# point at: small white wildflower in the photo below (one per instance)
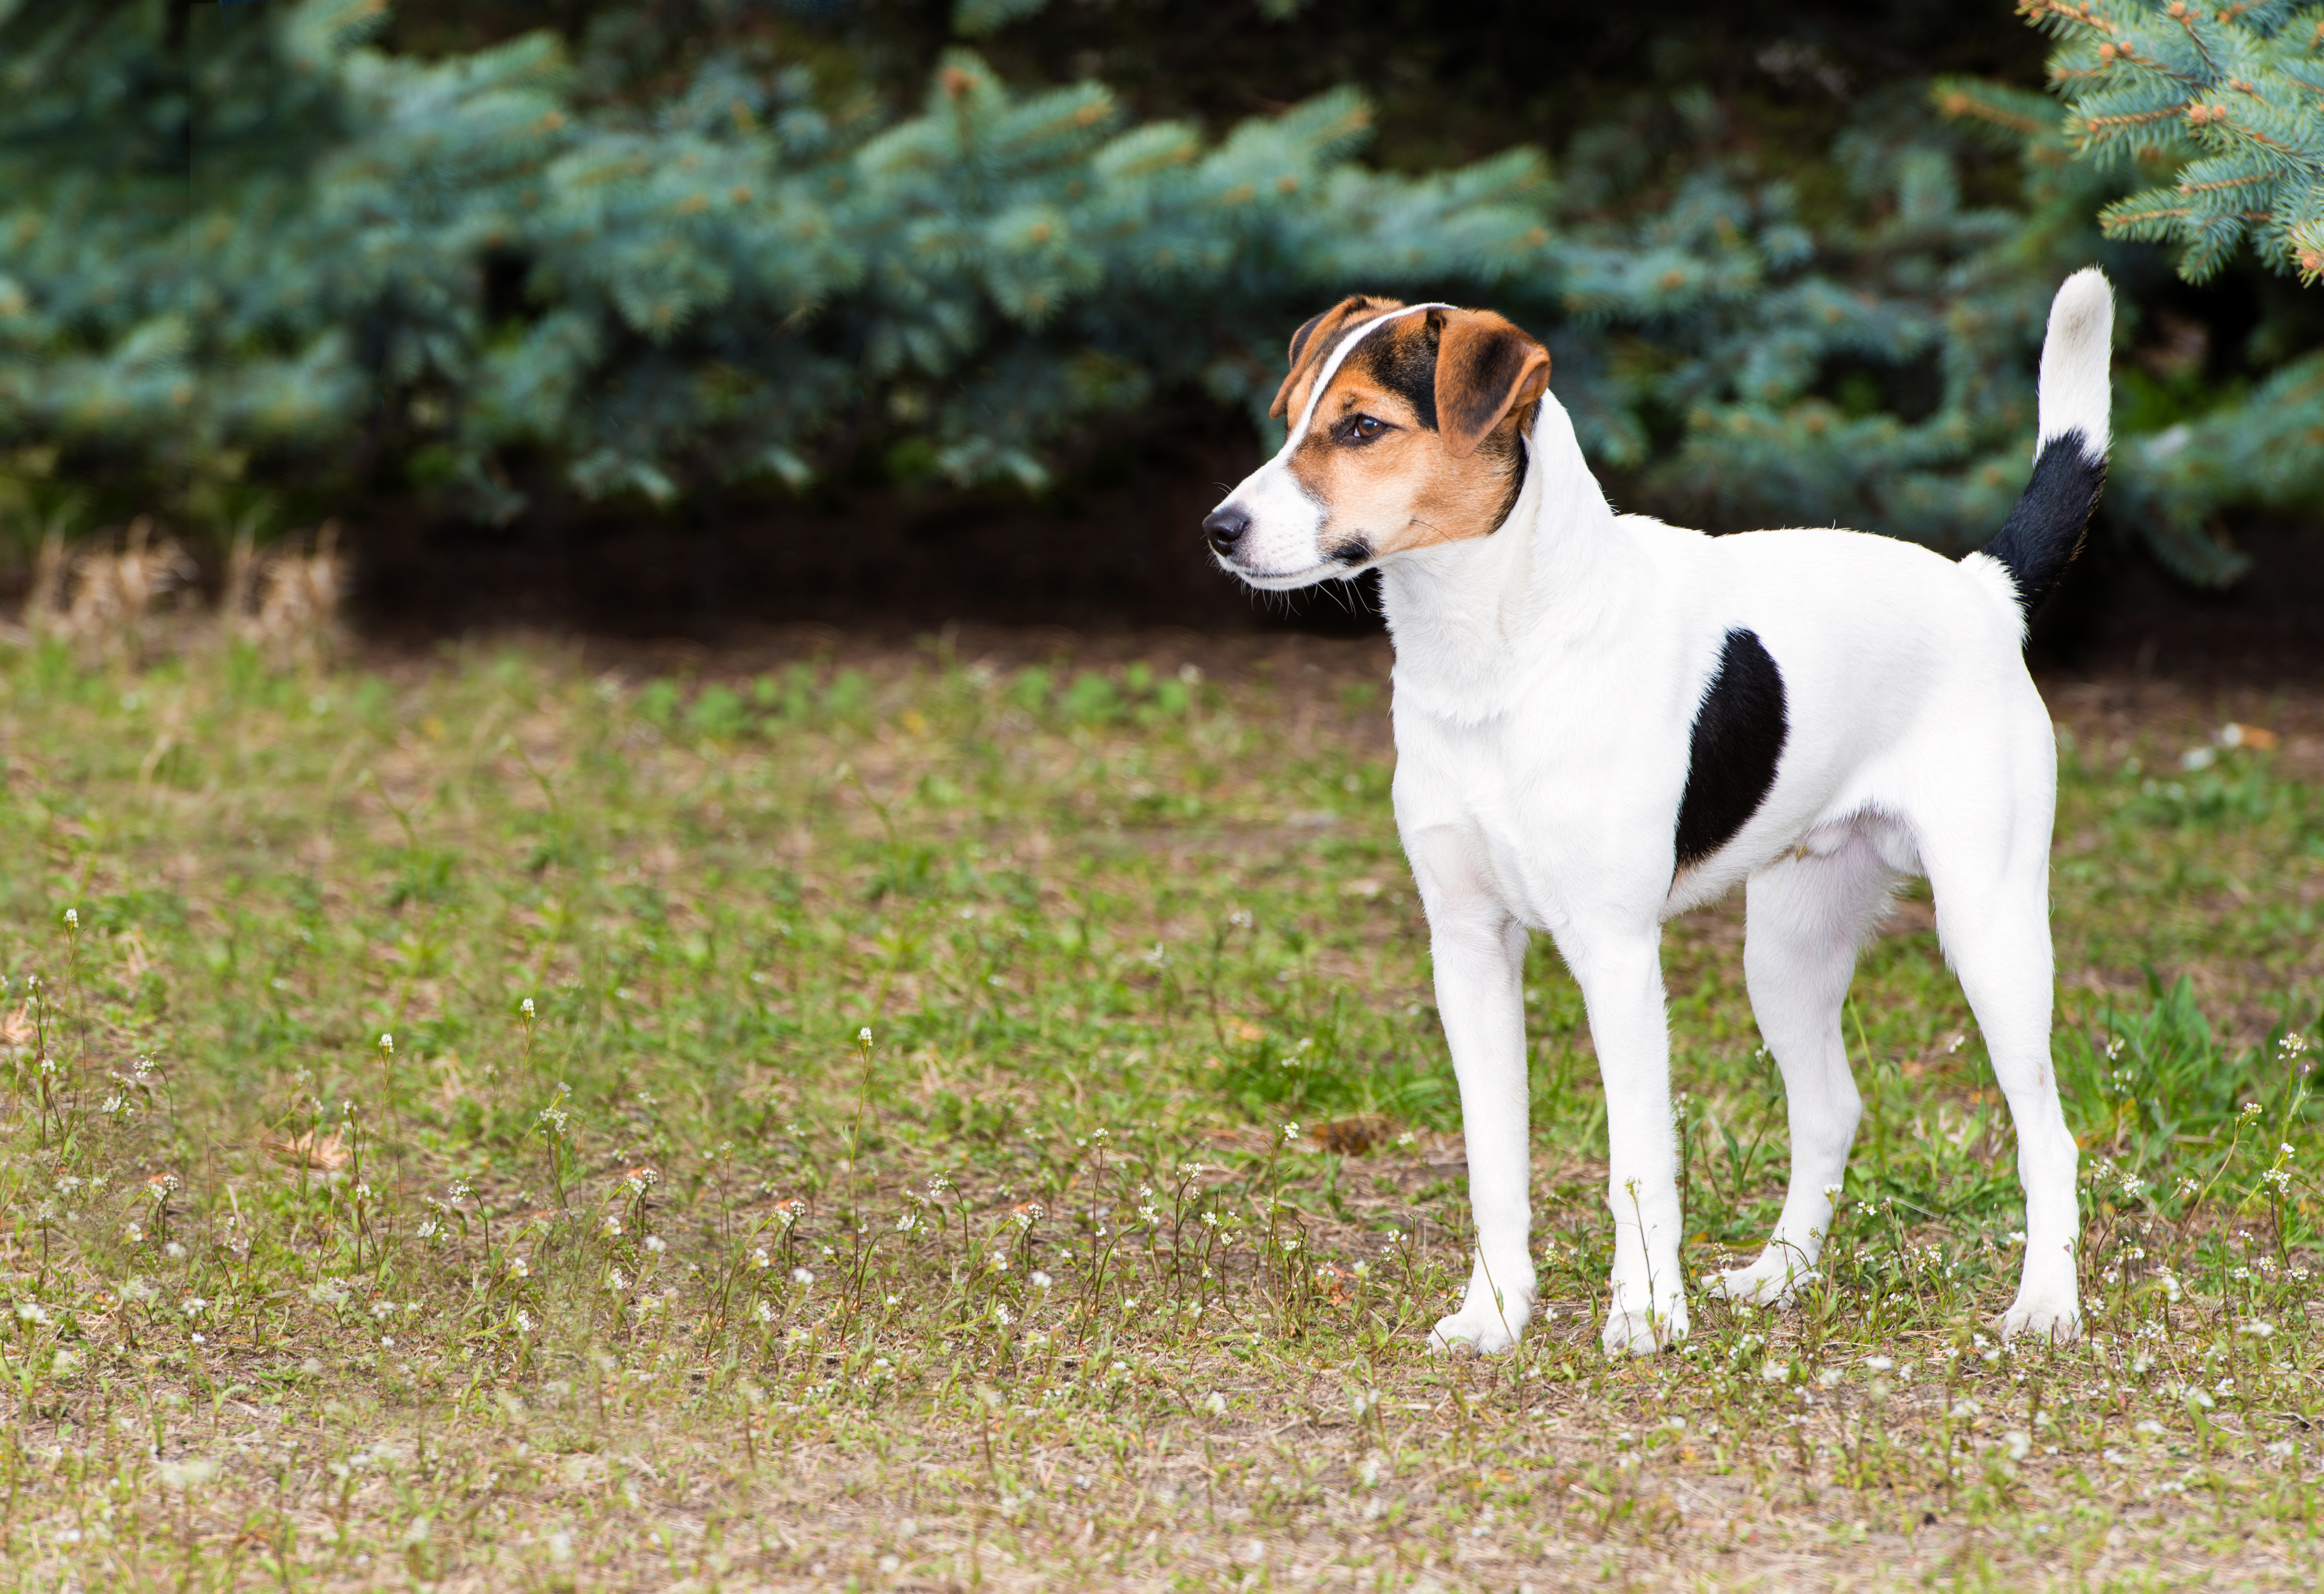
(654, 1244)
(1040, 1280)
(800, 1275)
(186, 1474)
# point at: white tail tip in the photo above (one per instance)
(2077, 356)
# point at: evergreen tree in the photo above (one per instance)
(2231, 94)
(2225, 98)
(445, 270)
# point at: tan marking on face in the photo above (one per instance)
(1313, 343)
(1412, 485)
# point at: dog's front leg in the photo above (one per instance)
(1478, 948)
(1621, 979)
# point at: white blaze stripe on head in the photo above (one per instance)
(1331, 368)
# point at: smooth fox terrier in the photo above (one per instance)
(1603, 721)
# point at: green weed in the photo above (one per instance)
(917, 1123)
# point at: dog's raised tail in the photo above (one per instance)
(2044, 532)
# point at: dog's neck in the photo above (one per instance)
(1465, 616)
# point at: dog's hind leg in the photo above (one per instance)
(1805, 919)
(1993, 918)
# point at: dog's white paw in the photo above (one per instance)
(2052, 1317)
(1644, 1332)
(1762, 1283)
(1478, 1330)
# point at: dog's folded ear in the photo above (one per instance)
(1314, 340)
(1486, 367)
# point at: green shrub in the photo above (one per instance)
(718, 713)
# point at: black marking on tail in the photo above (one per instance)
(2044, 532)
(1739, 733)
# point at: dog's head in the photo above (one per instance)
(1406, 427)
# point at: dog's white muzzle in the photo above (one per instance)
(1269, 531)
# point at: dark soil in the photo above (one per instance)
(1117, 547)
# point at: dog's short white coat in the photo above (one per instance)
(1547, 680)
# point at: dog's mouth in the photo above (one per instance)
(1345, 559)
(1283, 580)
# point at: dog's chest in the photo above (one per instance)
(1544, 804)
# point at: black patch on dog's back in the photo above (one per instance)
(2044, 530)
(1739, 732)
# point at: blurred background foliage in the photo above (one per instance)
(262, 263)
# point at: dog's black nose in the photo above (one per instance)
(1225, 527)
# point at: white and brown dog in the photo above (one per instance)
(1603, 721)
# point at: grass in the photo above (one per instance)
(929, 1123)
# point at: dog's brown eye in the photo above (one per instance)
(1363, 429)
